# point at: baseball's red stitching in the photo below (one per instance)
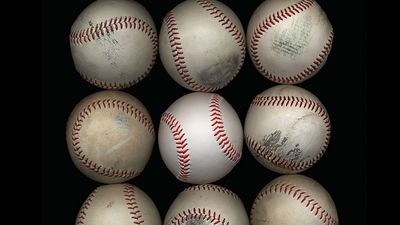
(217, 125)
(111, 104)
(80, 219)
(198, 213)
(297, 193)
(289, 101)
(177, 53)
(132, 204)
(106, 27)
(110, 26)
(229, 26)
(271, 21)
(211, 187)
(115, 85)
(181, 144)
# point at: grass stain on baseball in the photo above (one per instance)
(198, 221)
(277, 145)
(291, 41)
(220, 72)
(110, 204)
(271, 141)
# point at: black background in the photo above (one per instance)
(340, 85)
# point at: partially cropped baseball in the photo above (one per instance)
(287, 129)
(206, 204)
(113, 43)
(110, 136)
(293, 199)
(202, 45)
(118, 204)
(200, 138)
(289, 40)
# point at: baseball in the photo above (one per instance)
(118, 204)
(110, 136)
(287, 129)
(289, 40)
(113, 43)
(206, 204)
(293, 199)
(200, 138)
(202, 45)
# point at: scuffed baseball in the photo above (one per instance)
(113, 43)
(202, 45)
(289, 40)
(200, 138)
(293, 199)
(110, 136)
(118, 204)
(206, 204)
(287, 129)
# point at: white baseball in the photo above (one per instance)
(289, 40)
(293, 199)
(206, 204)
(200, 138)
(110, 136)
(287, 129)
(113, 43)
(118, 204)
(202, 45)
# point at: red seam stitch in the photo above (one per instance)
(115, 85)
(106, 103)
(177, 53)
(97, 31)
(80, 219)
(199, 213)
(211, 187)
(181, 145)
(271, 21)
(217, 125)
(282, 188)
(132, 204)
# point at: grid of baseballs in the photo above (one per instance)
(202, 45)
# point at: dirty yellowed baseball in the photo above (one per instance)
(110, 136)
(293, 199)
(118, 204)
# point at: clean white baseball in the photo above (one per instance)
(293, 199)
(202, 45)
(118, 204)
(113, 43)
(289, 40)
(206, 204)
(200, 138)
(287, 129)
(110, 136)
